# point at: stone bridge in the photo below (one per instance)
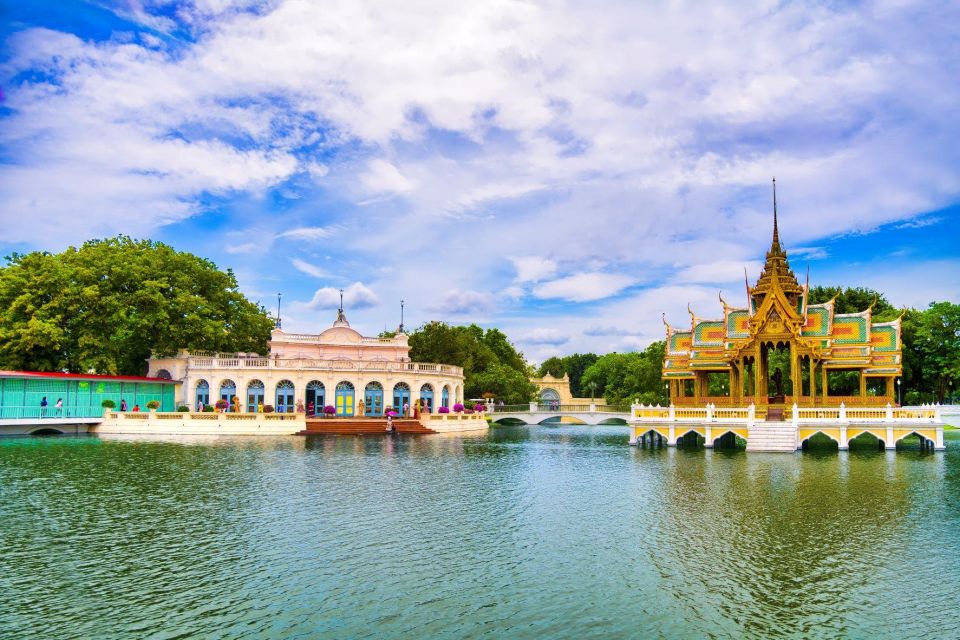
(535, 413)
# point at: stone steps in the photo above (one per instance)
(777, 436)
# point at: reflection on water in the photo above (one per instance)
(527, 532)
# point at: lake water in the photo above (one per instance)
(538, 532)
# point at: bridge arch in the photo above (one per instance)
(728, 438)
(692, 437)
(558, 419)
(866, 438)
(806, 440)
(614, 421)
(47, 431)
(925, 441)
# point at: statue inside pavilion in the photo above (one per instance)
(779, 350)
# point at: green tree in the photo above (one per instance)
(491, 364)
(108, 305)
(854, 300)
(622, 378)
(573, 365)
(938, 345)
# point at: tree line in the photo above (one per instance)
(107, 305)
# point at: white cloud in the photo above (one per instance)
(545, 336)
(533, 268)
(608, 331)
(462, 302)
(719, 272)
(383, 177)
(306, 233)
(356, 296)
(310, 269)
(583, 287)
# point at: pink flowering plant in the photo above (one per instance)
(443, 410)
(458, 408)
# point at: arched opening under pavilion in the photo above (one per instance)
(549, 398)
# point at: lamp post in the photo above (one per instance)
(899, 397)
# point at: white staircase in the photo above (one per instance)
(772, 436)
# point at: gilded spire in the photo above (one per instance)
(776, 233)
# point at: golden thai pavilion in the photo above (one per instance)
(780, 350)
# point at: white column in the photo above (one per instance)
(843, 412)
(889, 415)
(634, 431)
(843, 438)
(672, 437)
(890, 444)
(533, 406)
(938, 443)
(673, 413)
(708, 444)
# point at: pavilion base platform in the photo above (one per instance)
(887, 424)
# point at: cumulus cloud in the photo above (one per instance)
(583, 287)
(356, 296)
(533, 268)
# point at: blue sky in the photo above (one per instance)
(565, 171)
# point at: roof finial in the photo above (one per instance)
(776, 234)
(400, 328)
(341, 301)
(279, 323)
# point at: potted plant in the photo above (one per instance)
(183, 409)
(268, 408)
(458, 408)
(108, 405)
(153, 405)
(443, 410)
(222, 405)
(329, 411)
(479, 407)
(208, 408)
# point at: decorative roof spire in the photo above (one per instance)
(341, 316)
(279, 324)
(776, 233)
(400, 328)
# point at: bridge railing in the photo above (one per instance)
(34, 412)
(796, 415)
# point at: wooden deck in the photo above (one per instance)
(361, 426)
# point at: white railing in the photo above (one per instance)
(796, 415)
(337, 364)
(205, 416)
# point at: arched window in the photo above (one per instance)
(163, 374)
(228, 391)
(202, 398)
(316, 397)
(426, 398)
(401, 398)
(285, 391)
(344, 399)
(445, 397)
(373, 399)
(255, 392)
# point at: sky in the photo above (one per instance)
(565, 171)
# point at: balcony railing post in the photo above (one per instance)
(889, 413)
(673, 413)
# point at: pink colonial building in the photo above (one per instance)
(339, 367)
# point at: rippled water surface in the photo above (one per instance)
(526, 533)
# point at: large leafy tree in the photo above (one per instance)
(108, 305)
(622, 378)
(491, 364)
